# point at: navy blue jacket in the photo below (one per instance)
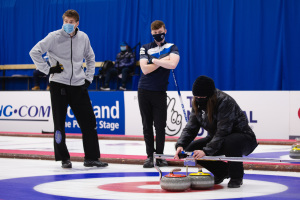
(157, 80)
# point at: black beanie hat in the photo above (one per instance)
(203, 86)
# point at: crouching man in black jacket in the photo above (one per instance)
(228, 132)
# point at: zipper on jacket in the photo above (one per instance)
(159, 50)
(71, 62)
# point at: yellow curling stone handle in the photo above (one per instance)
(199, 174)
(296, 148)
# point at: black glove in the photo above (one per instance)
(86, 84)
(57, 69)
(182, 155)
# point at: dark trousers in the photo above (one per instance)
(153, 109)
(78, 99)
(37, 77)
(115, 71)
(234, 145)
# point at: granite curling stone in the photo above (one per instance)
(175, 182)
(200, 180)
(295, 151)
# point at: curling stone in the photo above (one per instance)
(295, 151)
(175, 182)
(201, 180)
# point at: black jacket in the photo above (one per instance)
(228, 118)
(125, 59)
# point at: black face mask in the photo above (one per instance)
(202, 103)
(159, 37)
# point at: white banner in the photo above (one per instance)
(271, 114)
(175, 118)
(294, 114)
(267, 112)
(28, 111)
(133, 122)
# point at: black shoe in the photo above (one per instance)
(148, 163)
(66, 164)
(161, 162)
(94, 163)
(220, 179)
(235, 182)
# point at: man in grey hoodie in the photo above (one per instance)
(66, 49)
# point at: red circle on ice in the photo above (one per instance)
(134, 187)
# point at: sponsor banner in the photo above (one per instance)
(267, 113)
(133, 122)
(294, 114)
(28, 111)
(175, 117)
(109, 111)
(271, 114)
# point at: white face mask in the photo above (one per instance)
(123, 48)
(68, 28)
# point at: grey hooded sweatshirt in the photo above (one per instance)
(68, 51)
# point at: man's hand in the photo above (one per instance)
(57, 69)
(86, 84)
(150, 60)
(198, 154)
(178, 150)
(168, 62)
